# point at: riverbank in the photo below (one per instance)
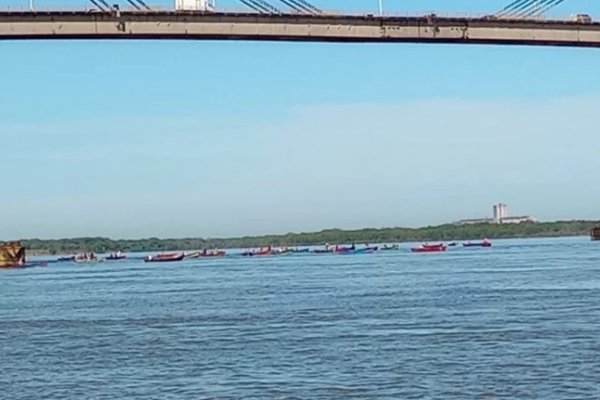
(448, 232)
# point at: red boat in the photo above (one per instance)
(484, 243)
(429, 248)
(262, 252)
(165, 257)
(342, 249)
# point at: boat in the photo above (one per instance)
(66, 259)
(483, 243)
(116, 257)
(385, 247)
(206, 253)
(366, 249)
(212, 253)
(296, 251)
(344, 250)
(429, 248)
(165, 257)
(262, 252)
(595, 233)
(12, 255)
(88, 261)
(282, 251)
(87, 258)
(452, 244)
(427, 245)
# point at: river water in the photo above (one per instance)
(518, 321)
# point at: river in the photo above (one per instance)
(518, 321)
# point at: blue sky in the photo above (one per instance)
(172, 139)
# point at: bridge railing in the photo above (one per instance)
(332, 12)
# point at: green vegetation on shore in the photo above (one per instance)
(448, 232)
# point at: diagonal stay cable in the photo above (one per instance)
(134, 5)
(100, 7)
(105, 4)
(293, 6)
(264, 5)
(550, 4)
(532, 8)
(146, 6)
(527, 8)
(515, 11)
(512, 6)
(252, 5)
(301, 6)
(305, 4)
(538, 9)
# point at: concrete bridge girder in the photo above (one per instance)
(305, 28)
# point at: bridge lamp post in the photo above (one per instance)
(380, 7)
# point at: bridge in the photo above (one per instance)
(519, 23)
(293, 27)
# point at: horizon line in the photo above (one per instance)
(455, 223)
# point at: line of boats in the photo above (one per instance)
(267, 251)
(441, 247)
(272, 251)
(92, 258)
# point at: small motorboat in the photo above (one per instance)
(429, 248)
(87, 258)
(296, 251)
(385, 247)
(452, 244)
(344, 250)
(484, 243)
(165, 257)
(116, 257)
(427, 245)
(282, 251)
(212, 253)
(206, 253)
(262, 252)
(194, 254)
(366, 250)
(66, 259)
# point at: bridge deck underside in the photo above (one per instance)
(172, 25)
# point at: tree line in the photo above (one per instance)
(447, 232)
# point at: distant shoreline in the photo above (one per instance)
(447, 232)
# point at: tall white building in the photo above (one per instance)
(500, 212)
(499, 216)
